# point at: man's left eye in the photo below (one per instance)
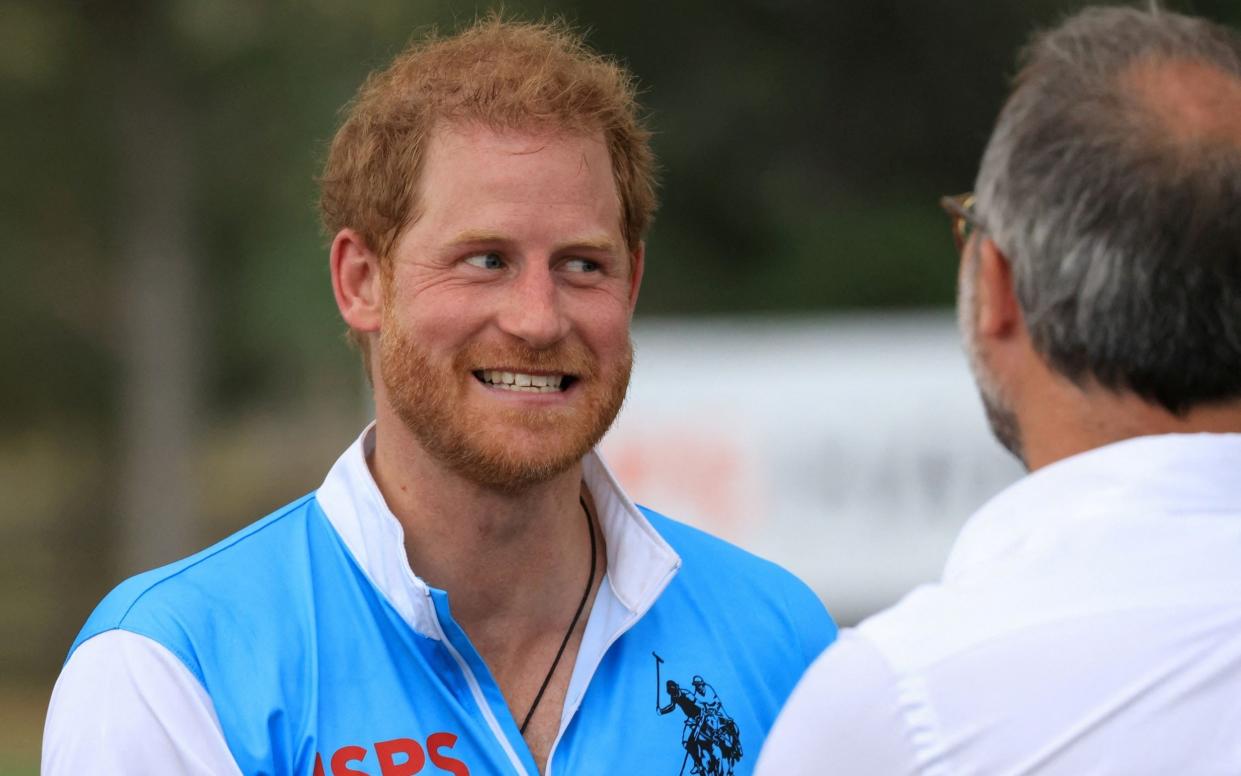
(581, 265)
(485, 261)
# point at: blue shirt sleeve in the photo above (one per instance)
(815, 627)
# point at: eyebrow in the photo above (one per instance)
(601, 244)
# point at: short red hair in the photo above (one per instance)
(502, 74)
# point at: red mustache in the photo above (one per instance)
(562, 358)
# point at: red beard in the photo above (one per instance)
(501, 448)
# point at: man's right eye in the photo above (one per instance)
(486, 261)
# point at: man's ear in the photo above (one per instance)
(637, 265)
(356, 281)
(997, 309)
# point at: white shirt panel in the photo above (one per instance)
(1088, 622)
(126, 705)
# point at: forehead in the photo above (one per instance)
(474, 172)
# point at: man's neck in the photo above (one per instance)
(506, 558)
(1063, 420)
(515, 566)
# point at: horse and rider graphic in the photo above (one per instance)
(710, 737)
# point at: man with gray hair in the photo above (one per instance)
(1089, 618)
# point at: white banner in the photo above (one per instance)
(849, 449)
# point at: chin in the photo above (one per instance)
(1004, 425)
(511, 471)
(514, 453)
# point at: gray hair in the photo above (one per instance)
(1125, 245)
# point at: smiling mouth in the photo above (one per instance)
(526, 383)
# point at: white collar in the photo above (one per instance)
(640, 562)
(1168, 474)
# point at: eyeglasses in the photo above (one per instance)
(960, 210)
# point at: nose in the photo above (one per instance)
(533, 310)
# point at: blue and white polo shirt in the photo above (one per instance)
(305, 644)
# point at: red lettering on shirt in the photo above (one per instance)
(346, 755)
(438, 741)
(414, 757)
(387, 751)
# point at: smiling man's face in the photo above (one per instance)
(504, 346)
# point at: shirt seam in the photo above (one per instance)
(175, 651)
(226, 545)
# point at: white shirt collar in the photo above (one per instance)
(640, 562)
(1167, 474)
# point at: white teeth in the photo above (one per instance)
(517, 381)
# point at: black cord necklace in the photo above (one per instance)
(590, 582)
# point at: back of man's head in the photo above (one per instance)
(1112, 183)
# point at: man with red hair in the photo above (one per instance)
(488, 194)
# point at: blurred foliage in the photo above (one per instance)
(803, 144)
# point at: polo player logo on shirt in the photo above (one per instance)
(709, 736)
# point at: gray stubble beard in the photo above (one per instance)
(999, 412)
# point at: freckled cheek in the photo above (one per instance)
(605, 330)
(442, 327)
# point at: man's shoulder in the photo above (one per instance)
(702, 552)
(712, 566)
(937, 622)
(929, 624)
(229, 574)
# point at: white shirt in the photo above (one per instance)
(124, 704)
(1088, 622)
